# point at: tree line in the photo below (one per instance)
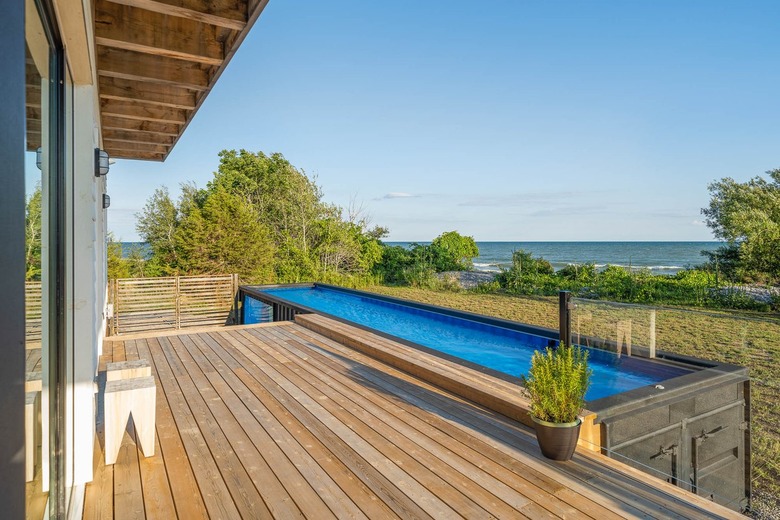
(265, 219)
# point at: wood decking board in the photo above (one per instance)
(302, 445)
(445, 482)
(498, 428)
(466, 458)
(314, 493)
(349, 447)
(463, 459)
(185, 494)
(279, 421)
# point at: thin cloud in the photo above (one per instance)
(520, 199)
(397, 195)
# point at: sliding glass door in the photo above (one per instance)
(48, 145)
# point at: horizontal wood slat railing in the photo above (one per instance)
(145, 304)
(32, 312)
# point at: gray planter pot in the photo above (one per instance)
(557, 440)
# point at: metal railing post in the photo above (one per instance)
(564, 315)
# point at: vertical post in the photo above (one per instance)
(652, 334)
(178, 304)
(236, 319)
(564, 316)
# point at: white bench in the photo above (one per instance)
(32, 432)
(125, 397)
(127, 369)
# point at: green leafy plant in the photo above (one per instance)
(557, 382)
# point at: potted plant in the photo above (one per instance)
(556, 383)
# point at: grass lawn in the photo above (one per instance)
(746, 339)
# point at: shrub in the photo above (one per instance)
(557, 383)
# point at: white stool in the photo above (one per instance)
(123, 398)
(127, 369)
(32, 433)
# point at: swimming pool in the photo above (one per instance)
(498, 348)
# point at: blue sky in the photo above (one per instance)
(504, 120)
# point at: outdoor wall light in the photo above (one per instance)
(39, 157)
(101, 162)
(106, 201)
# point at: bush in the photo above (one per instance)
(557, 383)
(452, 251)
(421, 276)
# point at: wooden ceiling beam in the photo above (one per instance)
(137, 125)
(134, 29)
(146, 92)
(223, 13)
(141, 156)
(142, 111)
(137, 137)
(126, 146)
(117, 63)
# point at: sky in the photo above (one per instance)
(504, 119)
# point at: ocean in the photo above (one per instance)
(658, 257)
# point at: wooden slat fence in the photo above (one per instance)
(144, 304)
(32, 313)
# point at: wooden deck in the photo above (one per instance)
(278, 421)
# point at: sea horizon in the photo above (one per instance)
(657, 256)
(660, 257)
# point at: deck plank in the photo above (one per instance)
(280, 421)
(300, 443)
(219, 397)
(128, 494)
(246, 498)
(313, 494)
(346, 446)
(414, 459)
(184, 491)
(213, 490)
(512, 487)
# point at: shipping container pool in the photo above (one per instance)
(651, 411)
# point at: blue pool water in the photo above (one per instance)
(502, 349)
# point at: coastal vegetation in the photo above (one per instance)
(262, 218)
(747, 216)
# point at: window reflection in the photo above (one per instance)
(37, 158)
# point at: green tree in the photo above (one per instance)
(261, 217)
(224, 235)
(32, 235)
(452, 251)
(747, 216)
(118, 267)
(157, 224)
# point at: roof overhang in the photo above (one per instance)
(157, 60)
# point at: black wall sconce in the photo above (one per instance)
(106, 201)
(101, 162)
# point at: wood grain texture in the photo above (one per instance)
(278, 420)
(134, 29)
(147, 92)
(137, 66)
(224, 13)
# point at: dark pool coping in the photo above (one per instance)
(704, 374)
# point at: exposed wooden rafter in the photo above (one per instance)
(138, 125)
(134, 29)
(166, 95)
(116, 63)
(230, 14)
(156, 62)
